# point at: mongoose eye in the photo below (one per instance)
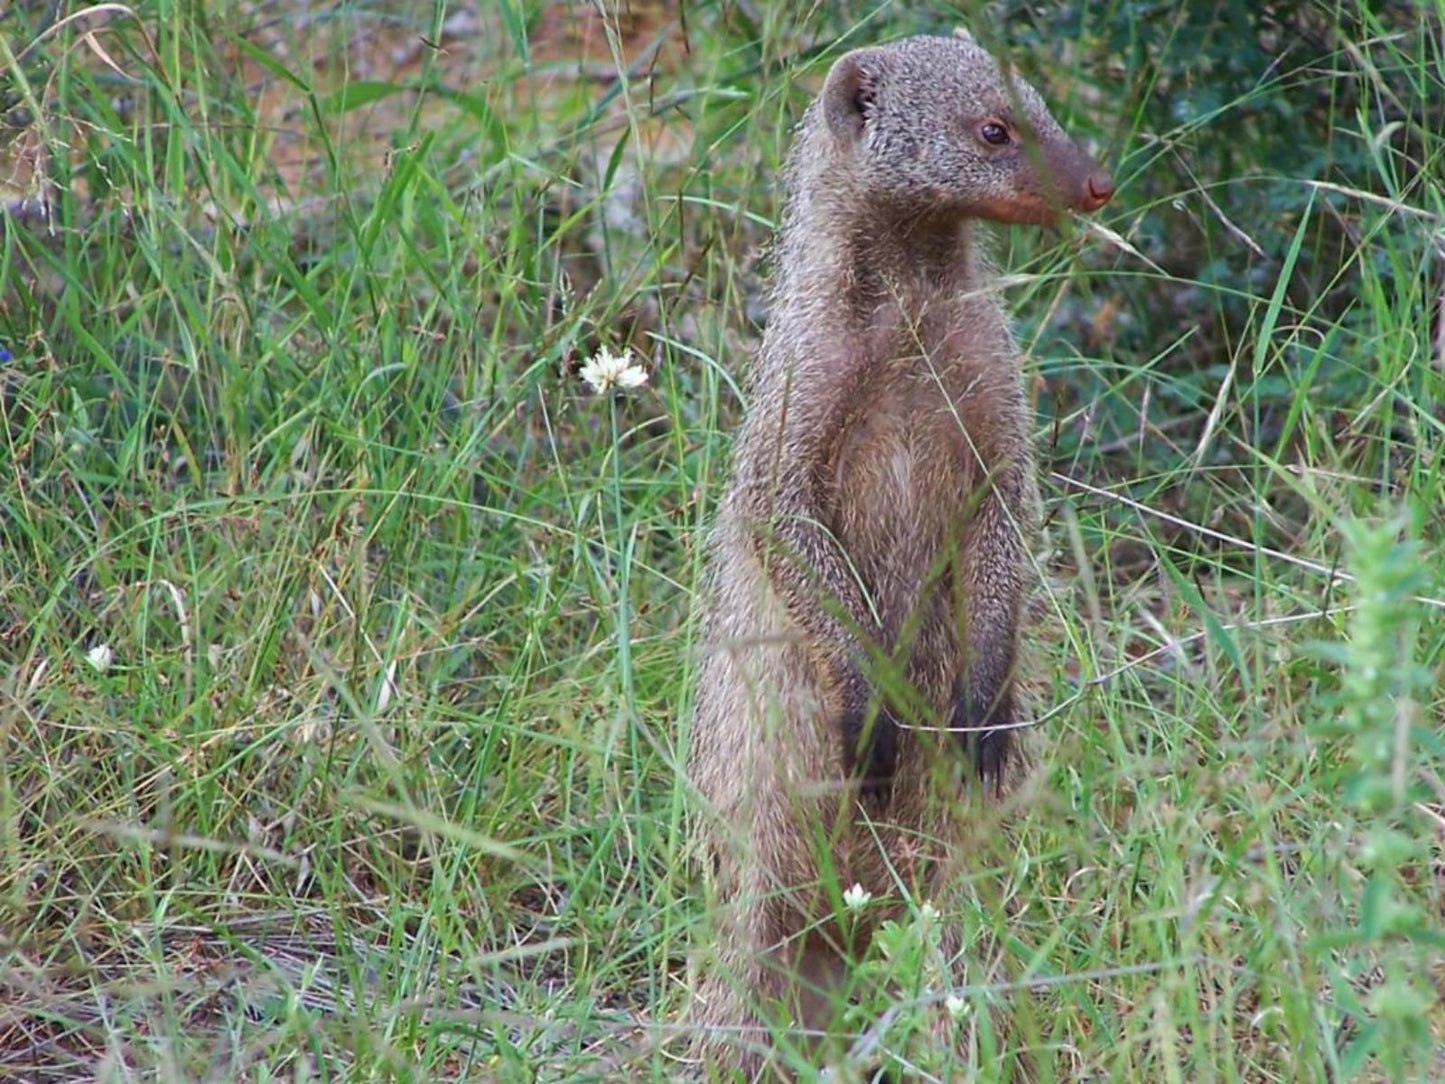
(994, 133)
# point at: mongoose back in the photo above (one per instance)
(871, 556)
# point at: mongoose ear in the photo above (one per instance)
(962, 34)
(850, 94)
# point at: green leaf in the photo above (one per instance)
(355, 95)
(1374, 907)
(1281, 288)
(269, 62)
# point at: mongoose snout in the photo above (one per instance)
(1085, 184)
(1057, 175)
(1098, 190)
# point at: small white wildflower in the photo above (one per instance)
(100, 656)
(929, 913)
(605, 370)
(856, 897)
(955, 1005)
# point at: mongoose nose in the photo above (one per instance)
(1099, 188)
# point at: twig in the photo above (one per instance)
(1175, 645)
(1300, 562)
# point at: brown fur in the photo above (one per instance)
(871, 556)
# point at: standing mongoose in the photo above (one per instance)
(869, 565)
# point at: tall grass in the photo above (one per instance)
(344, 640)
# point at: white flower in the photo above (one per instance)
(955, 1005)
(605, 370)
(929, 913)
(856, 897)
(100, 656)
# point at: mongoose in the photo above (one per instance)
(877, 523)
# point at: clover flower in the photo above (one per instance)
(605, 370)
(856, 897)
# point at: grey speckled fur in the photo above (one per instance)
(875, 537)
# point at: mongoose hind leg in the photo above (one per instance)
(776, 987)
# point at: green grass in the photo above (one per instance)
(382, 779)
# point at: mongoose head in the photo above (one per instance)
(929, 125)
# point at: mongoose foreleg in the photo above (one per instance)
(994, 553)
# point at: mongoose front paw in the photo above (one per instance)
(870, 744)
(984, 729)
